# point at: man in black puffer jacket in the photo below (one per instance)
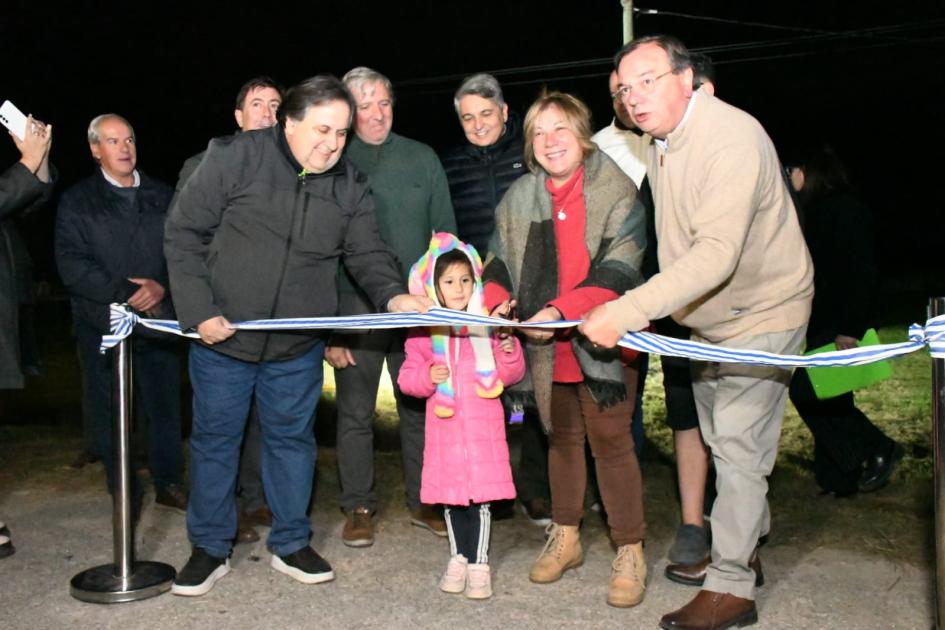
(479, 172)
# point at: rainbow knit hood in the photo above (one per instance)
(488, 384)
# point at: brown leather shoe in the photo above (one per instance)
(694, 574)
(712, 611)
(358, 530)
(245, 532)
(430, 518)
(172, 497)
(260, 516)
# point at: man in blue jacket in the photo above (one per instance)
(109, 248)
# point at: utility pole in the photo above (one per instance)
(627, 20)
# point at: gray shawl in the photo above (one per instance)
(523, 259)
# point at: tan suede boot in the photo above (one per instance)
(628, 578)
(562, 552)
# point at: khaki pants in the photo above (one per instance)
(741, 409)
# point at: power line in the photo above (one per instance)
(507, 71)
(706, 18)
(868, 32)
(812, 36)
(875, 33)
(825, 36)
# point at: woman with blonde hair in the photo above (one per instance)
(570, 236)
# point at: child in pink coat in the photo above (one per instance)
(461, 371)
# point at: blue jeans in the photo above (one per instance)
(286, 394)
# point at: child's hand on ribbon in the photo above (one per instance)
(439, 373)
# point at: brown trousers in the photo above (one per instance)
(576, 417)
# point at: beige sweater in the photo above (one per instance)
(732, 257)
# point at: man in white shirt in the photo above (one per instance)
(622, 140)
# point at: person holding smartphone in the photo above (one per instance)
(23, 185)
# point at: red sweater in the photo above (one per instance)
(573, 264)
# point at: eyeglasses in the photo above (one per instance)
(644, 86)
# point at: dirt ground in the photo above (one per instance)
(61, 525)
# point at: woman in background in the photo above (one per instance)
(851, 454)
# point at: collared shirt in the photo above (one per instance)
(664, 144)
(114, 182)
(625, 147)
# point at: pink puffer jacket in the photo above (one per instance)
(465, 457)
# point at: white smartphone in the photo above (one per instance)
(13, 119)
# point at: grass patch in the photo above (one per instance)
(895, 522)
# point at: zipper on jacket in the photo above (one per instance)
(285, 258)
(304, 213)
(492, 184)
(458, 407)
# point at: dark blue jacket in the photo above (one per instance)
(478, 178)
(101, 241)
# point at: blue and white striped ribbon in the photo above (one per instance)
(123, 320)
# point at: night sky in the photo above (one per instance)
(868, 76)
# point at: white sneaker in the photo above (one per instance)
(479, 582)
(454, 580)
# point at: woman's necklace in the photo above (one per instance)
(561, 214)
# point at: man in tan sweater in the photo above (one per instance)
(735, 269)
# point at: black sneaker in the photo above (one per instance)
(200, 574)
(6, 544)
(304, 565)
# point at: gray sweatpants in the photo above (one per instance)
(356, 398)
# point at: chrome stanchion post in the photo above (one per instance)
(122, 404)
(125, 580)
(937, 307)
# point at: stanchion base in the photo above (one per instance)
(100, 585)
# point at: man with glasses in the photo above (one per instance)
(735, 269)
(629, 146)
